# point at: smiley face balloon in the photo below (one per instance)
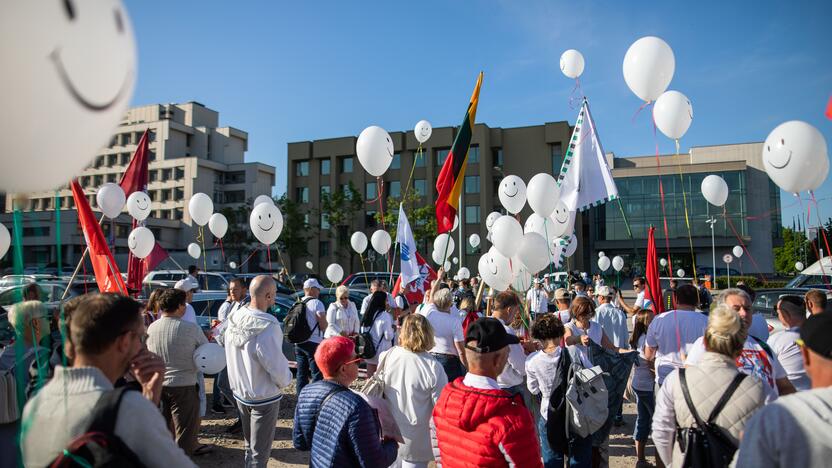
(138, 205)
(374, 149)
(266, 223)
(512, 193)
(423, 130)
(562, 220)
(69, 72)
(792, 153)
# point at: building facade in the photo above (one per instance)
(189, 153)
(324, 166)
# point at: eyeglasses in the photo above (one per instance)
(354, 361)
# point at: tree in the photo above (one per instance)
(295, 236)
(421, 215)
(339, 210)
(238, 240)
(794, 247)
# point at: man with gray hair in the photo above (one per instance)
(757, 357)
(377, 285)
(257, 369)
(792, 314)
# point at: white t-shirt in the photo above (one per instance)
(754, 360)
(642, 375)
(788, 354)
(447, 329)
(538, 300)
(314, 308)
(643, 303)
(542, 376)
(190, 314)
(674, 332)
(515, 370)
(382, 333)
(565, 316)
(595, 333)
(365, 303)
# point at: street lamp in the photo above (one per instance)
(712, 221)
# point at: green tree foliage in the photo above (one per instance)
(421, 215)
(794, 247)
(238, 240)
(295, 236)
(340, 210)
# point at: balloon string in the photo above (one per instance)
(661, 197)
(643, 106)
(419, 152)
(269, 256)
(201, 239)
(222, 251)
(280, 257)
(742, 244)
(820, 228)
(820, 223)
(573, 96)
(687, 217)
(256, 249)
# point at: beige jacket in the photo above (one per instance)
(707, 381)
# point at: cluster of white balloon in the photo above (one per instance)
(604, 262)
(111, 201)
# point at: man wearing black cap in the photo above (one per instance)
(474, 410)
(796, 430)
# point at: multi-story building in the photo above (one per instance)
(189, 153)
(323, 166)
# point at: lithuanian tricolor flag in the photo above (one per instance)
(452, 176)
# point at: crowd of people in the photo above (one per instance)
(467, 377)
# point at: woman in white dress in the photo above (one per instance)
(342, 316)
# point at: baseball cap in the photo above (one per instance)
(184, 285)
(312, 283)
(603, 291)
(561, 294)
(815, 332)
(487, 335)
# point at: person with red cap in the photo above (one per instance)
(337, 425)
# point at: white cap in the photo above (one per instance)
(312, 283)
(184, 285)
(603, 291)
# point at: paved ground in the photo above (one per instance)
(229, 448)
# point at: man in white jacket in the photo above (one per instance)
(257, 369)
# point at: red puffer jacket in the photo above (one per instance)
(483, 428)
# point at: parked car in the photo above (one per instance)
(297, 279)
(720, 272)
(766, 301)
(209, 281)
(281, 288)
(363, 279)
(9, 281)
(328, 296)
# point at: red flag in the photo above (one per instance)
(415, 290)
(137, 268)
(135, 177)
(829, 109)
(106, 271)
(654, 287)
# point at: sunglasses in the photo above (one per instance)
(354, 361)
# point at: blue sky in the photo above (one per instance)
(293, 71)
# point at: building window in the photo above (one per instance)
(166, 174)
(302, 168)
(346, 164)
(179, 174)
(325, 189)
(325, 167)
(98, 180)
(179, 193)
(302, 194)
(395, 188)
(323, 248)
(125, 159)
(112, 159)
(372, 191)
(153, 195)
(419, 158)
(40, 231)
(474, 155)
(421, 187)
(557, 158)
(111, 177)
(153, 176)
(472, 214)
(441, 156)
(151, 155)
(472, 184)
(397, 161)
(497, 156)
(324, 221)
(370, 219)
(99, 161)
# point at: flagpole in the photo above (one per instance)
(79, 265)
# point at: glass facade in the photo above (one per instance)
(372, 191)
(419, 158)
(557, 158)
(472, 214)
(474, 155)
(421, 187)
(301, 168)
(641, 201)
(472, 184)
(325, 167)
(301, 194)
(397, 161)
(441, 155)
(394, 188)
(346, 164)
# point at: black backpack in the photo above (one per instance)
(99, 446)
(364, 346)
(706, 444)
(295, 326)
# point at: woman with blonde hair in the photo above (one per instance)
(713, 390)
(342, 316)
(413, 380)
(449, 339)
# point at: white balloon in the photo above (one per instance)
(464, 273)
(543, 194)
(601, 254)
(381, 241)
(798, 266)
(604, 263)
(141, 242)
(791, 153)
(489, 221)
(474, 240)
(663, 262)
(444, 244)
(680, 273)
(617, 263)
(266, 222)
(505, 235)
(521, 280)
(648, 67)
(194, 250)
(455, 260)
(66, 84)
(232, 265)
(334, 273)
(532, 252)
(309, 265)
(737, 251)
(138, 205)
(436, 256)
(218, 225)
(374, 149)
(210, 358)
(358, 241)
(495, 270)
(572, 63)
(456, 223)
(715, 190)
(673, 114)
(201, 208)
(447, 266)
(538, 224)
(563, 220)
(5, 240)
(262, 199)
(423, 130)
(111, 199)
(512, 193)
(571, 247)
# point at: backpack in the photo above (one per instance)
(706, 444)
(295, 326)
(587, 399)
(364, 346)
(99, 446)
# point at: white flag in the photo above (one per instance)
(407, 249)
(585, 179)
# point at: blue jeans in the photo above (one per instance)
(305, 358)
(581, 448)
(221, 389)
(646, 402)
(451, 364)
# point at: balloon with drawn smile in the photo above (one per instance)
(374, 149)
(512, 193)
(423, 131)
(266, 223)
(138, 205)
(795, 156)
(562, 221)
(141, 242)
